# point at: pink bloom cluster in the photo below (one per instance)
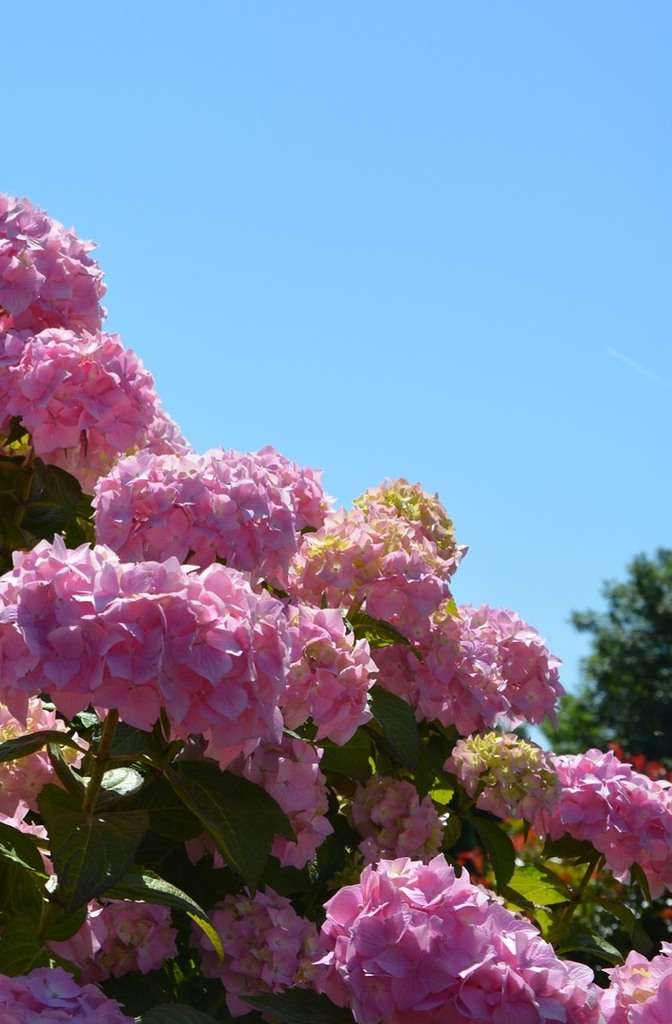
(509, 776)
(330, 674)
(90, 629)
(394, 821)
(47, 276)
(290, 772)
(21, 781)
(640, 992)
(120, 937)
(267, 947)
(418, 944)
(413, 505)
(625, 815)
(51, 996)
(375, 559)
(475, 668)
(83, 397)
(246, 510)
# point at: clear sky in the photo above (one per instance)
(420, 239)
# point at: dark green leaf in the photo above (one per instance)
(69, 779)
(567, 848)
(631, 925)
(499, 849)
(579, 940)
(90, 851)
(240, 816)
(376, 631)
(399, 726)
(176, 1013)
(129, 742)
(168, 815)
(301, 1007)
(639, 878)
(21, 849)
(22, 746)
(351, 759)
(58, 925)
(21, 950)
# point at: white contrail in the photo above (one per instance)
(632, 364)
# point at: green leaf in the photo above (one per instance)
(299, 1006)
(537, 887)
(639, 878)
(21, 949)
(399, 726)
(57, 504)
(176, 1013)
(90, 851)
(130, 742)
(631, 925)
(168, 816)
(21, 849)
(145, 886)
(239, 815)
(442, 796)
(499, 848)
(451, 832)
(58, 925)
(351, 759)
(22, 746)
(579, 940)
(116, 783)
(577, 851)
(376, 631)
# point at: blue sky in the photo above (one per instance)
(429, 240)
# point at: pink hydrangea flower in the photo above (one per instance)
(290, 772)
(509, 776)
(52, 996)
(625, 815)
(640, 991)
(120, 937)
(395, 821)
(47, 276)
(137, 637)
(413, 505)
(164, 437)
(84, 399)
(419, 944)
(384, 564)
(267, 947)
(330, 674)
(22, 780)
(224, 506)
(476, 667)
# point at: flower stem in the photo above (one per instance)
(102, 758)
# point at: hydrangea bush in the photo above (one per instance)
(249, 739)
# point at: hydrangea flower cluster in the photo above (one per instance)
(509, 776)
(477, 667)
(413, 505)
(384, 563)
(640, 992)
(290, 772)
(47, 275)
(140, 636)
(83, 397)
(267, 947)
(394, 821)
(246, 510)
(21, 781)
(52, 996)
(625, 815)
(119, 937)
(418, 944)
(330, 674)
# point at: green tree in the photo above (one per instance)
(626, 694)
